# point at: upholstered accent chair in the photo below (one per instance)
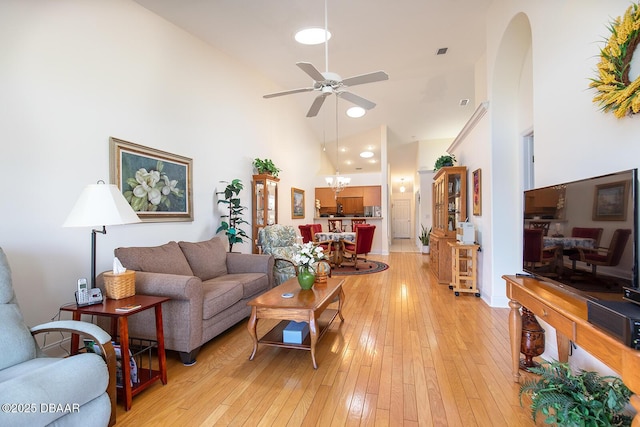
(278, 240)
(78, 390)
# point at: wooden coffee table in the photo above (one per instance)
(305, 306)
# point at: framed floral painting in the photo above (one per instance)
(157, 184)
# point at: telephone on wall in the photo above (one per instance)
(85, 296)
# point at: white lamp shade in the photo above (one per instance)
(101, 204)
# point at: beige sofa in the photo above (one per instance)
(209, 289)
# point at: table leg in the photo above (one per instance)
(340, 302)
(251, 326)
(564, 345)
(124, 361)
(313, 332)
(515, 336)
(162, 357)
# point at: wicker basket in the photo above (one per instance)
(118, 286)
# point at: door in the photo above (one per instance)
(401, 216)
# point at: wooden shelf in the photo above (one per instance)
(274, 336)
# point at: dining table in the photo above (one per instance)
(337, 247)
(569, 242)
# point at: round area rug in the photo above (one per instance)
(367, 267)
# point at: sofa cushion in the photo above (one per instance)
(207, 259)
(218, 295)
(251, 283)
(167, 258)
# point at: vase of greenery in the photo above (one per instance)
(234, 217)
(425, 236)
(582, 399)
(444, 160)
(265, 167)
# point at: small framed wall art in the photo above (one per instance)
(297, 203)
(610, 201)
(477, 192)
(157, 184)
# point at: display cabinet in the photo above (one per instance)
(265, 204)
(449, 208)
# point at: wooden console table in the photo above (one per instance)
(567, 313)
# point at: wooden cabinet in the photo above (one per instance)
(449, 208)
(464, 268)
(372, 196)
(265, 204)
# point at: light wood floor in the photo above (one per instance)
(409, 353)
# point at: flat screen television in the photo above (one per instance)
(583, 234)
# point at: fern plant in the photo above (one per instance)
(584, 399)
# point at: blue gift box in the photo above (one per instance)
(295, 332)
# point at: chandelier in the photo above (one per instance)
(337, 182)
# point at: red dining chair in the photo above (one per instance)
(603, 256)
(589, 233)
(362, 244)
(534, 254)
(306, 232)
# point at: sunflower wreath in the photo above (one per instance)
(616, 93)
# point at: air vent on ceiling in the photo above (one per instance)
(464, 102)
(442, 51)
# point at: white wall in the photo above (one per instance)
(573, 139)
(72, 74)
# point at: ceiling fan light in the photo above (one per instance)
(366, 154)
(311, 36)
(356, 112)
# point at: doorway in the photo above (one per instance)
(401, 218)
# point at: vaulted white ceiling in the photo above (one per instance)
(421, 99)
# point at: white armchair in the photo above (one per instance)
(36, 390)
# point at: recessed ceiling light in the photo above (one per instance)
(366, 154)
(356, 112)
(464, 102)
(442, 51)
(312, 36)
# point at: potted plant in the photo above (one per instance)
(583, 399)
(424, 237)
(234, 217)
(444, 160)
(265, 167)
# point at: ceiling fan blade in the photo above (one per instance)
(358, 100)
(311, 71)
(317, 103)
(366, 78)
(288, 92)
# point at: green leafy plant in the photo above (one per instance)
(234, 218)
(444, 160)
(424, 235)
(266, 167)
(582, 399)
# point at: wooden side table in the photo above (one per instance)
(120, 327)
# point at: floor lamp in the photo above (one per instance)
(100, 205)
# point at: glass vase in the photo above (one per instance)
(306, 277)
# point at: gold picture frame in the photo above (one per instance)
(477, 192)
(610, 201)
(297, 203)
(157, 184)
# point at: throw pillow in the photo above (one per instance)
(207, 259)
(167, 258)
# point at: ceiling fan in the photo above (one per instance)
(327, 83)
